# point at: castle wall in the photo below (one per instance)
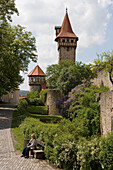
(101, 78)
(52, 96)
(106, 116)
(11, 97)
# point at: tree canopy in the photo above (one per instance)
(66, 75)
(17, 49)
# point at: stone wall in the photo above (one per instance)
(11, 97)
(35, 88)
(106, 108)
(102, 79)
(67, 53)
(52, 96)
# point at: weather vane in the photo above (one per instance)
(66, 9)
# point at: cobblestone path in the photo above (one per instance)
(8, 159)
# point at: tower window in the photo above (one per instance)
(63, 41)
(71, 41)
(67, 48)
(34, 79)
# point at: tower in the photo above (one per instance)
(36, 79)
(66, 39)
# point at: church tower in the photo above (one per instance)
(67, 40)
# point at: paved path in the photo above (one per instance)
(8, 159)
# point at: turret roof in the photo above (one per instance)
(66, 29)
(37, 71)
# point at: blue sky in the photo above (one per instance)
(91, 20)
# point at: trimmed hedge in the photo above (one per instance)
(38, 109)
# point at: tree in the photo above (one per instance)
(17, 49)
(7, 8)
(105, 63)
(66, 75)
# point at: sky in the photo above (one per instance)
(91, 21)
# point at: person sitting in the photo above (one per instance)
(31, 145)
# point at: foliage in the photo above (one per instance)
(43, 95)
(22, 105)
(81, 105)
(65, 151)
(32, 95)
(105, 63)
(65, 143)
(106, 153)
(66, 75)
(88, 154)
(33, 98)
(37, 109)
(46, 118)
(7, 8)
(17, 49)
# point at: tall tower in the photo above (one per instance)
(36, 79)
(67, 40)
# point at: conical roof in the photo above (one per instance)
(37, 71)
(66, 29)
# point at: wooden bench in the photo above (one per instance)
(37, 153)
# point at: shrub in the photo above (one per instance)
(88, 154)
(33, 98)
(35, 102)
(43, 95)
(32, 95)
(106, 153)
(37, 109)
(65, 151)
(22, 105)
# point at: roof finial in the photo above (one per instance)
(66, 9)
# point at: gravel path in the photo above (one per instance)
(8, 159)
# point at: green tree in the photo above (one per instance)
(7, 8)
(17, 49)
(105, 63)
(66, 75)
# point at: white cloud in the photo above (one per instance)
(89, 21)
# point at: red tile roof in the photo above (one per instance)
(66, 29)
(37, 71)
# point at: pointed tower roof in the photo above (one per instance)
(37, 71)
(66, 29)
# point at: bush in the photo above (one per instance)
(22, 105)
(35, 102)
(37, 109)
(33, 98)
(43, 95)
(32, 95)
(65, 151)
(88, 154)
(106, 153)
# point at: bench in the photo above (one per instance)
(37, 153)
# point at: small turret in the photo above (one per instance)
(36, 79)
